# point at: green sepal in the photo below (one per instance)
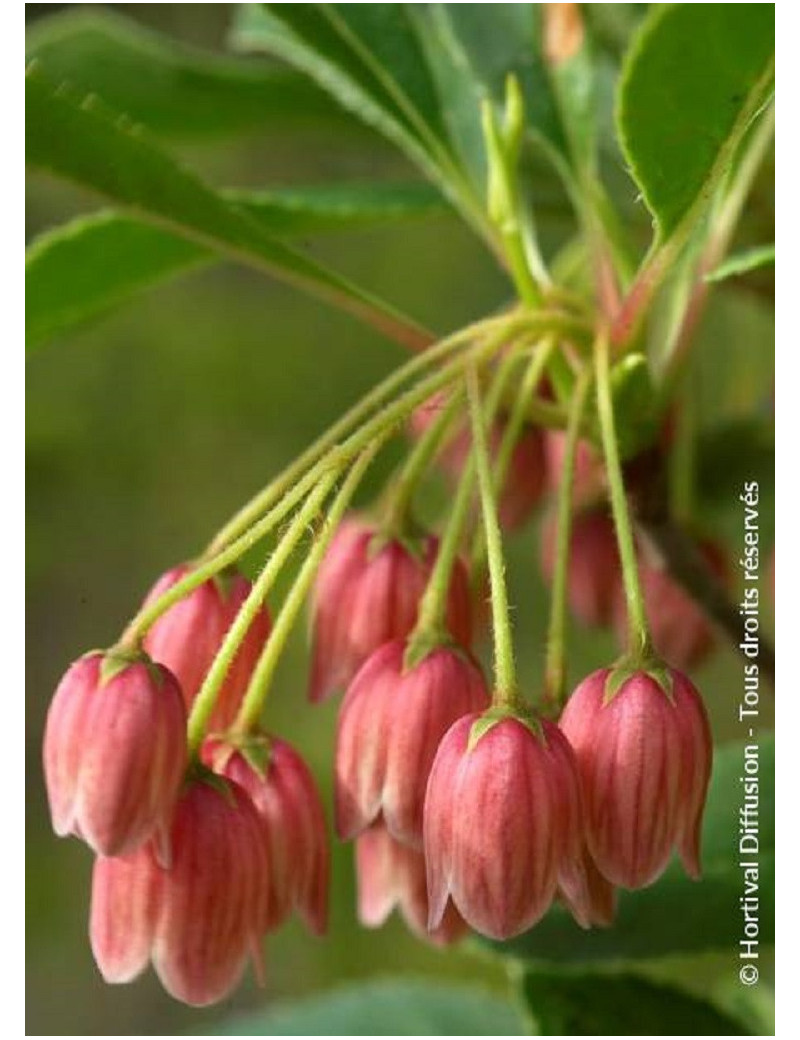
(223, 580)
(629, 665)
(118, 658)
(422, 644)
(490, 718)
(255, 749)
(197, 773)
(411, 538)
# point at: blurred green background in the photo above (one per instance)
(147, 429)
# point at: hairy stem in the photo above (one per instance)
(261, 680)
(638, 629)
(506, 692)
(555, 662)
(433, 607)
(203, 706)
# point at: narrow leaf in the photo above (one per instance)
(69, 278)
(741, 263)
(692, 83)
(174, 89)
(299, 35)
(370, 58)
(81, 139)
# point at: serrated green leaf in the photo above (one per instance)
(619, 1005)
(370, 59)
(303, 36)
(77, 137)
(692, 83)
(676, 915)
(173, 89)
(741, 263)
(69, 278)
(402, 1008)
(460, 93)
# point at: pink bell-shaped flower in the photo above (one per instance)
(198, 919)
(283, 792)
(187, 637)
(526, 479)
(502, 822)
(114, 750)
(391, 875)
(643, 748)
(594, 576)
(391, 722)
(367, 593)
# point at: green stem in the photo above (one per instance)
(638, 629)
(336, 457)
(355, 415)
(418, 461)
(261, 679)
(520, 414)
(206, 699)
(555, 662)
(506, 694)
(432, 619)
(332, 454)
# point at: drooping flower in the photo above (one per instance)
(186, 637)
(114, 750)
(198, 919)
(594, 576)
(390, 725)
(644, 756)
(285, 796)
(392, 875)
(526, 479)
(367, 593)
(502, 824)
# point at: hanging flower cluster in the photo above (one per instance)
(470, 806)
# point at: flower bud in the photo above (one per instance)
(502, 822)
(680, 629)
(644, 757)
(198, 919)
(283, 792)
(186, 638)
(390, 725)
(114, 750)
(526, 479)
(391, 875)
(594, 577)
(367, 593)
